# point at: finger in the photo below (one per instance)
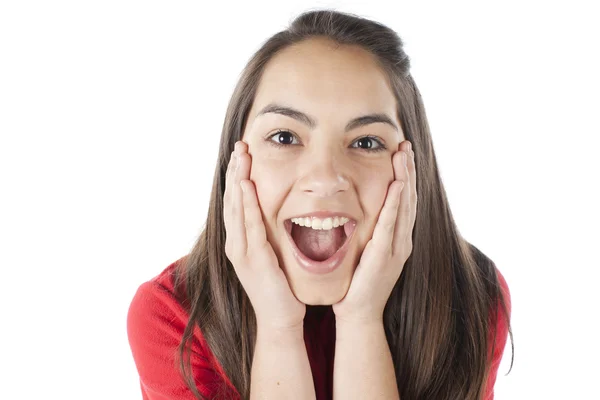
(405, 215)
(228, 180)
(239, 148)
(398, 163)
(241, 173)
(412, 172)
(386, 223)
(235, 218)
(404, 172)
(256, 234)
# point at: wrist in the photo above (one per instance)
(278, 334)
(353, 329)
(357, 321)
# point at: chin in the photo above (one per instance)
(319, 290)
(312, 298)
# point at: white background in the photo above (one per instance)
(110, 116)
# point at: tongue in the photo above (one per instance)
(318, 245)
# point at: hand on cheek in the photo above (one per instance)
(385, 254)
(250, 253)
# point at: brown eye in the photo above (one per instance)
(283, 138)
(365, 143)
(369, 143)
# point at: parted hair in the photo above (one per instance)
(448, 298)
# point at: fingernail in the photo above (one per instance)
(404, 157)
(409, 146)
(243, 186)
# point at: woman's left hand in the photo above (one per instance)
(384, 256)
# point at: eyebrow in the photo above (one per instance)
(312, 123)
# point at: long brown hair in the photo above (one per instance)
(446, 301)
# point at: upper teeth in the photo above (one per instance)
(318, 223)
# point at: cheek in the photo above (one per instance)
(373, 191)
(373, 187)
(272, 182)
(373, 196)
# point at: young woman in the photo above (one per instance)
(330, 265)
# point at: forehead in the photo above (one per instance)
(330, 82)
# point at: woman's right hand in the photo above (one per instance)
(252, 256)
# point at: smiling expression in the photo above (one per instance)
(321, 134)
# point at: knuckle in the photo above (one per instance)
(388, 226)
(262, 245)
(250, 224)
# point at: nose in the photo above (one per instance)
(324, 175)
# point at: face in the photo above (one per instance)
(301, 167)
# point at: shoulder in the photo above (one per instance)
(155, 325)
(496, 282)
(155, 319)
(504, 290)
(499, 293)
(499, 316)
(502, 314)
(153, 300)
(499, 332)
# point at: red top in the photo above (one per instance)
(155, 324)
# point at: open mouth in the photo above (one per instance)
(319, 245)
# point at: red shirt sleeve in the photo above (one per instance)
(155, 325)
(501, 338)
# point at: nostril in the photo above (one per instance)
(324, 191)
(325, 184)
